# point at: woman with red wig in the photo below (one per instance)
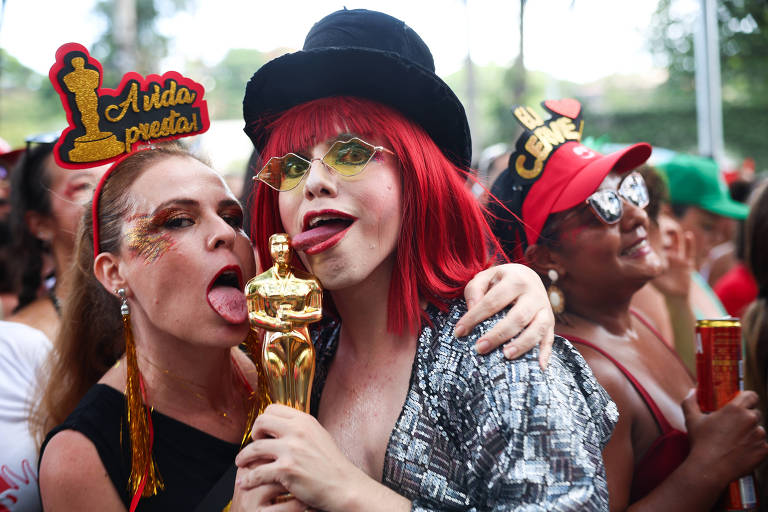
(364, 157)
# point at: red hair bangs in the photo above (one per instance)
(444, 239)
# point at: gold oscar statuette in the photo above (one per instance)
(94, 144)
(283, 301)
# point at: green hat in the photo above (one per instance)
(696, 181)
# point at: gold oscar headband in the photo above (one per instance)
(104, 124)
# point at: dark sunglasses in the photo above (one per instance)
(42, 138)
(607, 204)
(348, 158)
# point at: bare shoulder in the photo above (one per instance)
(611, 378)
(72, 476)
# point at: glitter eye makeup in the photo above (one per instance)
(145, 239)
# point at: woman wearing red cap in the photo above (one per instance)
(364, 160)
(582, 226)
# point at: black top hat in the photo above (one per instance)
(366, 54)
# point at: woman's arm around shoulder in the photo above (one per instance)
(528, 322)
(72, 476)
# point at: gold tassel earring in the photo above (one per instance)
(144, 479)
(555, 294)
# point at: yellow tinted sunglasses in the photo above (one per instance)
(348, 158)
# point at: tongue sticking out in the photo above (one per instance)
(229, 303)
(314, 236)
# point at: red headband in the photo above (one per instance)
(97, 195)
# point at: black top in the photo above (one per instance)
(189, 461)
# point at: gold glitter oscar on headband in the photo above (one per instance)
(94, 144)
(104, 124)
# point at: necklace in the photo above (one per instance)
(195, 388)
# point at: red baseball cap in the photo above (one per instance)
(551, 171)
(570, 176)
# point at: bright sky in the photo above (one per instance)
(576, 40)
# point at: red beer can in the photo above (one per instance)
(720, 375)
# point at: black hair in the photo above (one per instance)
(679, 209)
(740, 190)
(29, 193)
(658, 193)
(246, 193)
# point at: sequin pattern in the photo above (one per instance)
(483, 433)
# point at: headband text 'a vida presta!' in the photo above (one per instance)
(104, 124)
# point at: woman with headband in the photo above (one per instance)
(364, 163)
(160, 264)
(579, 220)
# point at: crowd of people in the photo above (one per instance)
(519, 336)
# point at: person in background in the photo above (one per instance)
(648, 298)
(581, 224)
(8, 281)
(46, 206)
(723, 257)
(492, 161)
(736, 287)
(665, 300)
(700, 201)
(754, 325)
(246, 190)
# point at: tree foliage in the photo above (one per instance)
(229, 79)
(743, 39)
(151, 46)
(28, 102)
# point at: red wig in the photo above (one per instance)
(444, 238)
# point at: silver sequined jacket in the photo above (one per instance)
(484, 433)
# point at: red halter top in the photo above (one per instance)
(669, 450)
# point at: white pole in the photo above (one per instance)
(709, 107)
(125, 35)
(471, 90)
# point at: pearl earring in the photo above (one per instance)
(556, 297)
